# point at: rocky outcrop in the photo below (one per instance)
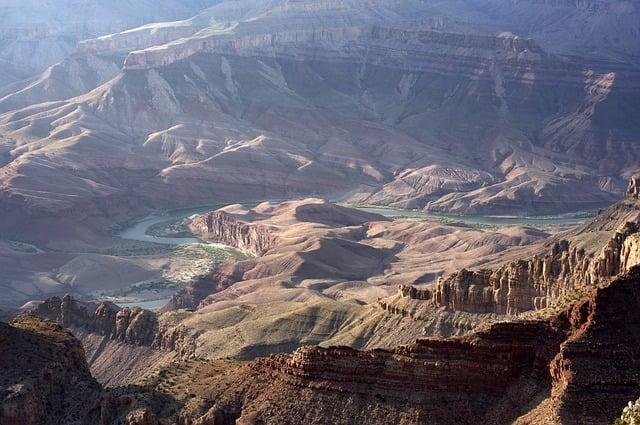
(44, 377)
(134, 327)
(633, 189)
(630, 253)
(538, 283)
(596, 371)
(129, 325)
(221, 227)
(45, 380)
(573, 362)
(453, 365)
(409, 291)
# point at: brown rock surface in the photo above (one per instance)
(44, 377)
(130, 325)
(221, 227)
(579, 366)
(538, 283)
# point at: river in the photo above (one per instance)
(139, 230)
(539, 222)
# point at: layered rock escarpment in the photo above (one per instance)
(404, 49)
(570, 368)
(538, 283)
(221, 227)
(457, 366)
(45, 380)
(596, 371)
(134, 326)
(579, 366)
(44, 377)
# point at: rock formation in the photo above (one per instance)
(578, 366)
(633, 189)
(218, 115)
(45, 380)
(415, 293)
(129, 325)
(568, 368)
(44, 377)
(538, 283)
(220, 227)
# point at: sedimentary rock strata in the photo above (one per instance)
(221, 227)
(537, 283)
(129, 325)
(569, 368)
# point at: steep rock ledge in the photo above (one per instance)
(573, 361)
(537, 283)
(633, 190)
(221, 227)
(130, 325)
(38, 362)
(135, 327)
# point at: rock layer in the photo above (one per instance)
(538, 283)
(129, 325)
(219, 226)
(570, 368)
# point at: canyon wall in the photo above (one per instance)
(540, 282)
(569, 368)
(129, 325)
(44, 377)
(572, 361)
(221, 227)
(534, 284)
(134, 327)
(470, 55)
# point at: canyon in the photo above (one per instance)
(529, 371)
(163, 117)
(218, 212)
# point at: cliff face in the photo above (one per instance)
(403, 48)
(219, 226)
(130, 325)
(537, 283)
(45, 380)
(595, 372)
(633, 189)
(448, 365)
(573, 361)
(44, 377)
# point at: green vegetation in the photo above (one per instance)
(170, 229)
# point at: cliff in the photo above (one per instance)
(45, 380)
(538, 283)
(633, 189)
(221, 227)
(44, 377)
(130, 325)
(416, 50)
(595, 373)
(579, 366)
(569, 368)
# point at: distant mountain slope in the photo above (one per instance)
(35, 34)
(381, 102)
